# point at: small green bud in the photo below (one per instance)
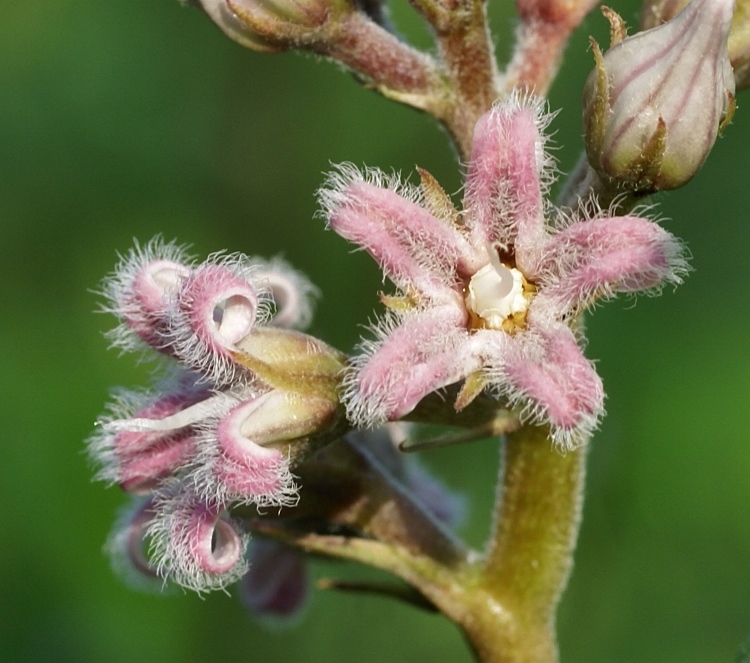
(655, 102)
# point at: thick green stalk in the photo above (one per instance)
(529, 558)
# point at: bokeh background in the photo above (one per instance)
(124, 120)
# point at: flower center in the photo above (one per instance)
(497, 296)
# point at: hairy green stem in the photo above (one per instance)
(529, 558)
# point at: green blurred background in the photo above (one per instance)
(123, 120)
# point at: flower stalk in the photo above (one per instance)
(482, 332)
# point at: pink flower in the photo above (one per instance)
(247, 389)
(491, 291)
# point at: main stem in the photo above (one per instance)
(526, 568)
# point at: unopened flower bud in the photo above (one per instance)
(291, 360)
(656, 12)
(275, 26)
(277, 585)
(233, 27)
(739, 44)
(655, 102)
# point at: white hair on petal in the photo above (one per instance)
(126, 547)
(117, 287)
(205, 479)
(304, 290)
(173, 551)
(531, 411)
(546, 163)
(219, 369)
(100, 445)
(372, 410)
(441, 262)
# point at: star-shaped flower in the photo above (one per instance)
(490, 294)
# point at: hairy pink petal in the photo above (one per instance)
(139, 292)
(427, 351)
(556, 383)
(243, 468)
(221, 306)
(414, 249)
(213, 542)
(607, 255)
(215, 309)
(141, 472)
(503, 201)
(291, 292)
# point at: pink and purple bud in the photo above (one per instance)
(276, 587)
(655, 103)
(247, 403)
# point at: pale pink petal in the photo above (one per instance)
(139, 290)
(215, 308)
(546, 375)
(503, 202)
(426, 351)
(234, 465)
(138, 449)
(291, 292)
(142, 472)
(415, 250)
(600, 257)
(195, 545)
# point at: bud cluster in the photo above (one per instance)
(247, 400)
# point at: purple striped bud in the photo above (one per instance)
(655, 103)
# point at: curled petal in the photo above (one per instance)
(426, 351)
(195, 545)
(216, 307)
(276, 585)
(233, 463)
(291, 292)
(139, 290)
(600, 257)
(126, 546)
(417, 251)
